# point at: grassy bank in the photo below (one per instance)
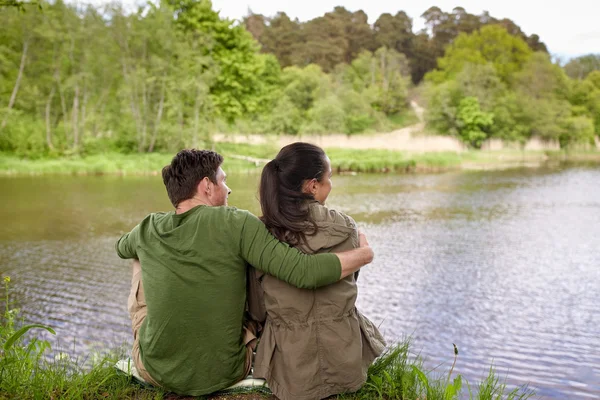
(249, 158)
(26, 373)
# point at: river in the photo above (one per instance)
(506, 264)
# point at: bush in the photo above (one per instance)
(24, 136)
(327, 116)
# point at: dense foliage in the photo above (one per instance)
(341, 35)
(91, 79)
(491, 84)
(77, 79)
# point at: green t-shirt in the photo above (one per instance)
(194, 277)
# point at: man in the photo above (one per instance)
(187, 316)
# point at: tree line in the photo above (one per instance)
(83, 79)
(341, 35)
(490, 84)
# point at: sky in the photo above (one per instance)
(569, 28)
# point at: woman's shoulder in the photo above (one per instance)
(335, 229)
(323, 215)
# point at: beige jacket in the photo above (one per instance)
(315, 343)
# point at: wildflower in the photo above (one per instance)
(7, 279)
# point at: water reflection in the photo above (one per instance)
(504, 264)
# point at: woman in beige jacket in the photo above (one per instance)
(314, 343)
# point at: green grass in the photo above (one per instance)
(26, 373)
(398, 374)
(251, 158)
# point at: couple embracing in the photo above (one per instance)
(218, 291)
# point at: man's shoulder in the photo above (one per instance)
(228, 211)
(229, 215)
(155, 217)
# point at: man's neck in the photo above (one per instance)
(188, 204)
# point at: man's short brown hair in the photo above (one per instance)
(186, 170)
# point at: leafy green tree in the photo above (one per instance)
(285, 117)
(491, 44)
(382, 77)
(585, 98)
(442, 106)
(18, 37)
(359, 116)
(542, 79)
(581, 67)
(482, 82)
(578, 130)
(305, 85)
(594, 78)
(511, 122)
(235, 53)
(326, 116)
(473, 123)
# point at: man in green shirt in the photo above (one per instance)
(187, 301)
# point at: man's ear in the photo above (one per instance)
(209, 185)
(203, 186)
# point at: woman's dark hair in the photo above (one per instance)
(187, 169)
(284, 206)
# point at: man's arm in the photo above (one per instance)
(261, 249)
(353, 260)
(126, 246)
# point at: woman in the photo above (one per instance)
(314, 343)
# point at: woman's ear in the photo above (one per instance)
(310, 187)
(313, 186)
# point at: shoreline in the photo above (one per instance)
(244, 158)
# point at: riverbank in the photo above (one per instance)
(245, 158)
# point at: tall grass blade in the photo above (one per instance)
(11, 340)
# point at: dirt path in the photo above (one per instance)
(410, 138)
(413, 138)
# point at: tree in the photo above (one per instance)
(285, 117)
(540, 78)
(20, 36)
(581, 67)
(394, 32)
(281, 37)
(491, 44)
(304, 86)
(326, 116)
(357, 31)
(233, 92)
(381, 77)
(256, 24)
(424, 57)
(473, 123)
(323, 43)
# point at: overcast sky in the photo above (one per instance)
(569, 28)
